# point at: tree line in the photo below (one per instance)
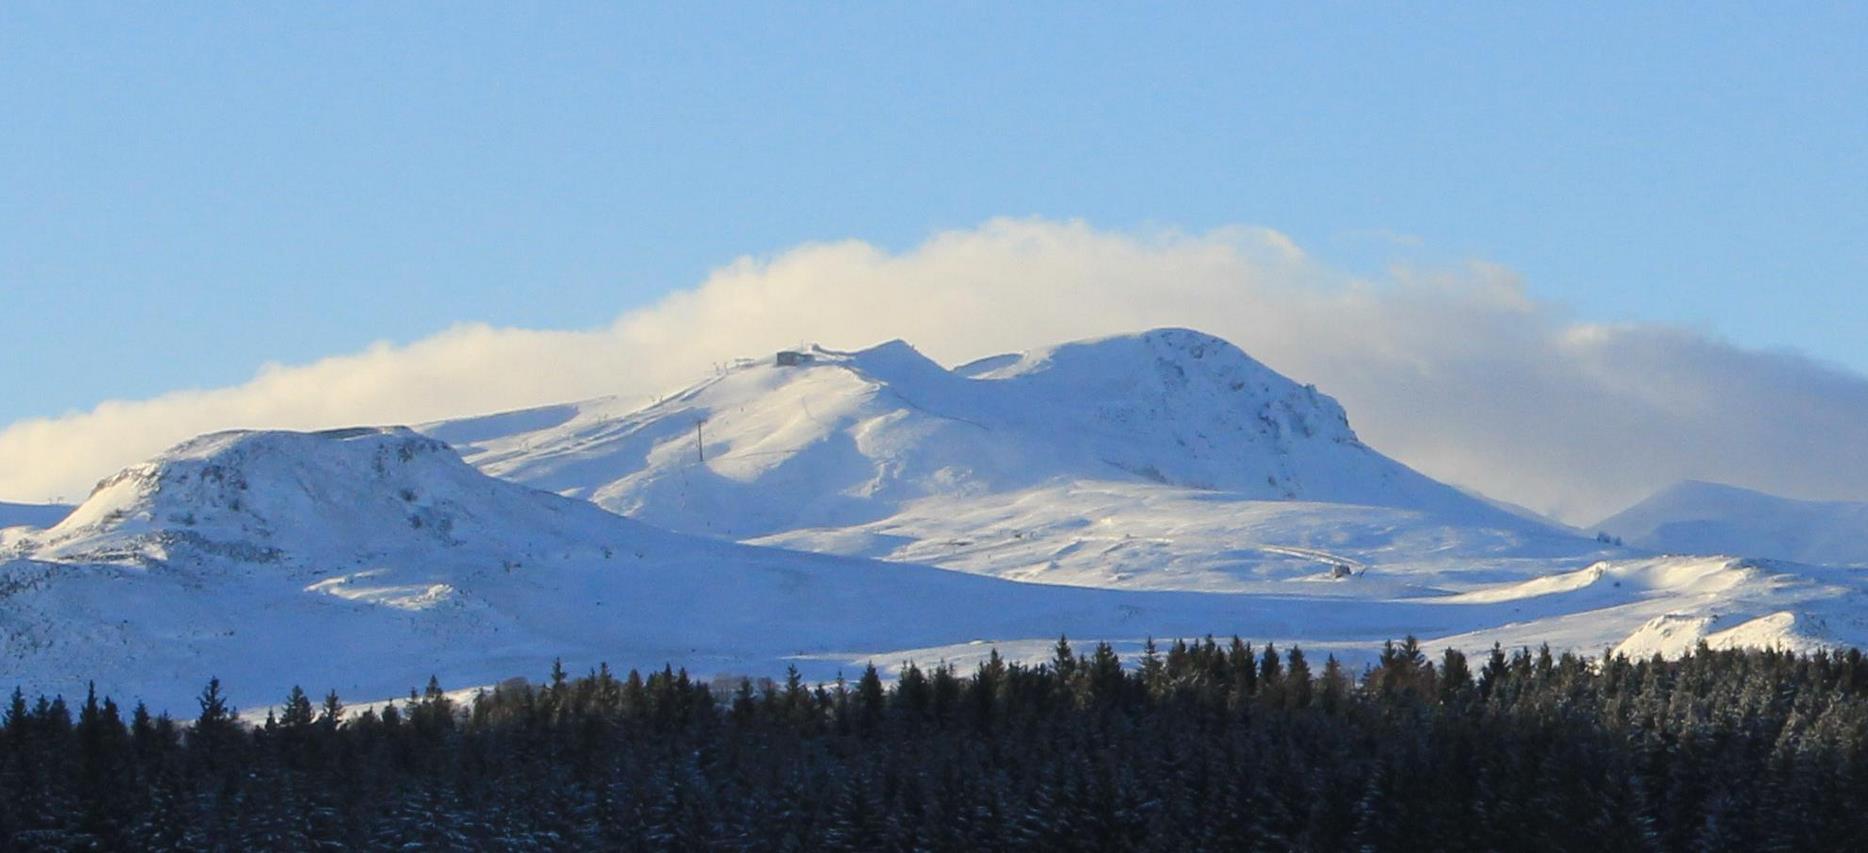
(1203, 745)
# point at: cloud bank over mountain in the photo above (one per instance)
(1457, 372)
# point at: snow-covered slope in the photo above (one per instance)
(1148, 536)
(335, 494)
(31, 515)
(1166, 459)
(366, 560)
(1709, 518)
(851, 437)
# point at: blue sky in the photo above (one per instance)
(193, 190)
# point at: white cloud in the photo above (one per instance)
(1457, 372)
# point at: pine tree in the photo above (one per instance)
(1106, 680)
(1153, 671)
(331, 713)
(1240, 661)
(1297, 684)
(869, 698)
(296, 713)
(1271, 692)
(1493, 676)
(215, 712)
(987, 691)
(216, 730)
(1455, 677)
(1064, 662)
(1333, 687)
(913, 697)
(16, 713)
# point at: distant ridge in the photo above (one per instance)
(1694, 517)
(32, 515)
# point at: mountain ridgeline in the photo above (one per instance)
(1697, 518)
(834, 439)
(826, 510)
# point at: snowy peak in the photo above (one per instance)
(1704, 494)
(893, 361)
(264, 494)
(1195, 394)
(822, 437)
(1159, 362)
(210, 481)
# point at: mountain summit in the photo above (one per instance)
(823, 437)
(314, 496)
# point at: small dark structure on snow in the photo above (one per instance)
(792, 358)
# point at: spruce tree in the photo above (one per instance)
(1297, 681)
(296, 713)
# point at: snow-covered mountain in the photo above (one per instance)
(844, 438)
(1710, 518)
(1156, 485)
(1166, 459)
(367, 559)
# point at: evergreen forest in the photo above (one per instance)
(1202, 745)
